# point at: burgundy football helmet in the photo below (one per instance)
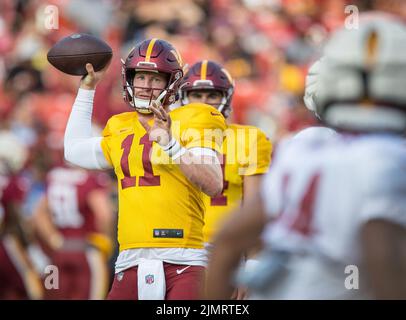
(208, 75)
(153, 55)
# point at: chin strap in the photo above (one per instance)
(158, 100)
(222, 104)
(130, 92)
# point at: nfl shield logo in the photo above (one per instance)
(149, 279)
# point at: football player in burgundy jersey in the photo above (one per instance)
(74, 219)
(18, 279)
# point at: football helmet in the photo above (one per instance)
(13, 153)
(311, 86)
(153, 55)
(362, 79)
(208, 75)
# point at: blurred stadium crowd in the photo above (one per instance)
(267, 45)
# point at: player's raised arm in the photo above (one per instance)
(81, 148)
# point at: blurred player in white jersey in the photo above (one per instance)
(332, 213)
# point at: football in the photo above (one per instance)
(71, 54)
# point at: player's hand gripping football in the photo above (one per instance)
(92, 78)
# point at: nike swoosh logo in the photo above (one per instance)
(214, 114)
(181, 270)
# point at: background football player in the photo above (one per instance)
(163, 163)
(74, 220)
(18, 278)
(339, 202)
(246, 151)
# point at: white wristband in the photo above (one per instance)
(174, 149)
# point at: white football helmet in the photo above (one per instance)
(13, 154)
(311, 86)
(362, 80)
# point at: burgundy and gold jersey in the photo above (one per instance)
(12, 191)
(158, 205)
(67, 190)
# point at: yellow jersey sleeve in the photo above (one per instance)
(198, 125)
(258, 149)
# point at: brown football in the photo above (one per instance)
(71, 54)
